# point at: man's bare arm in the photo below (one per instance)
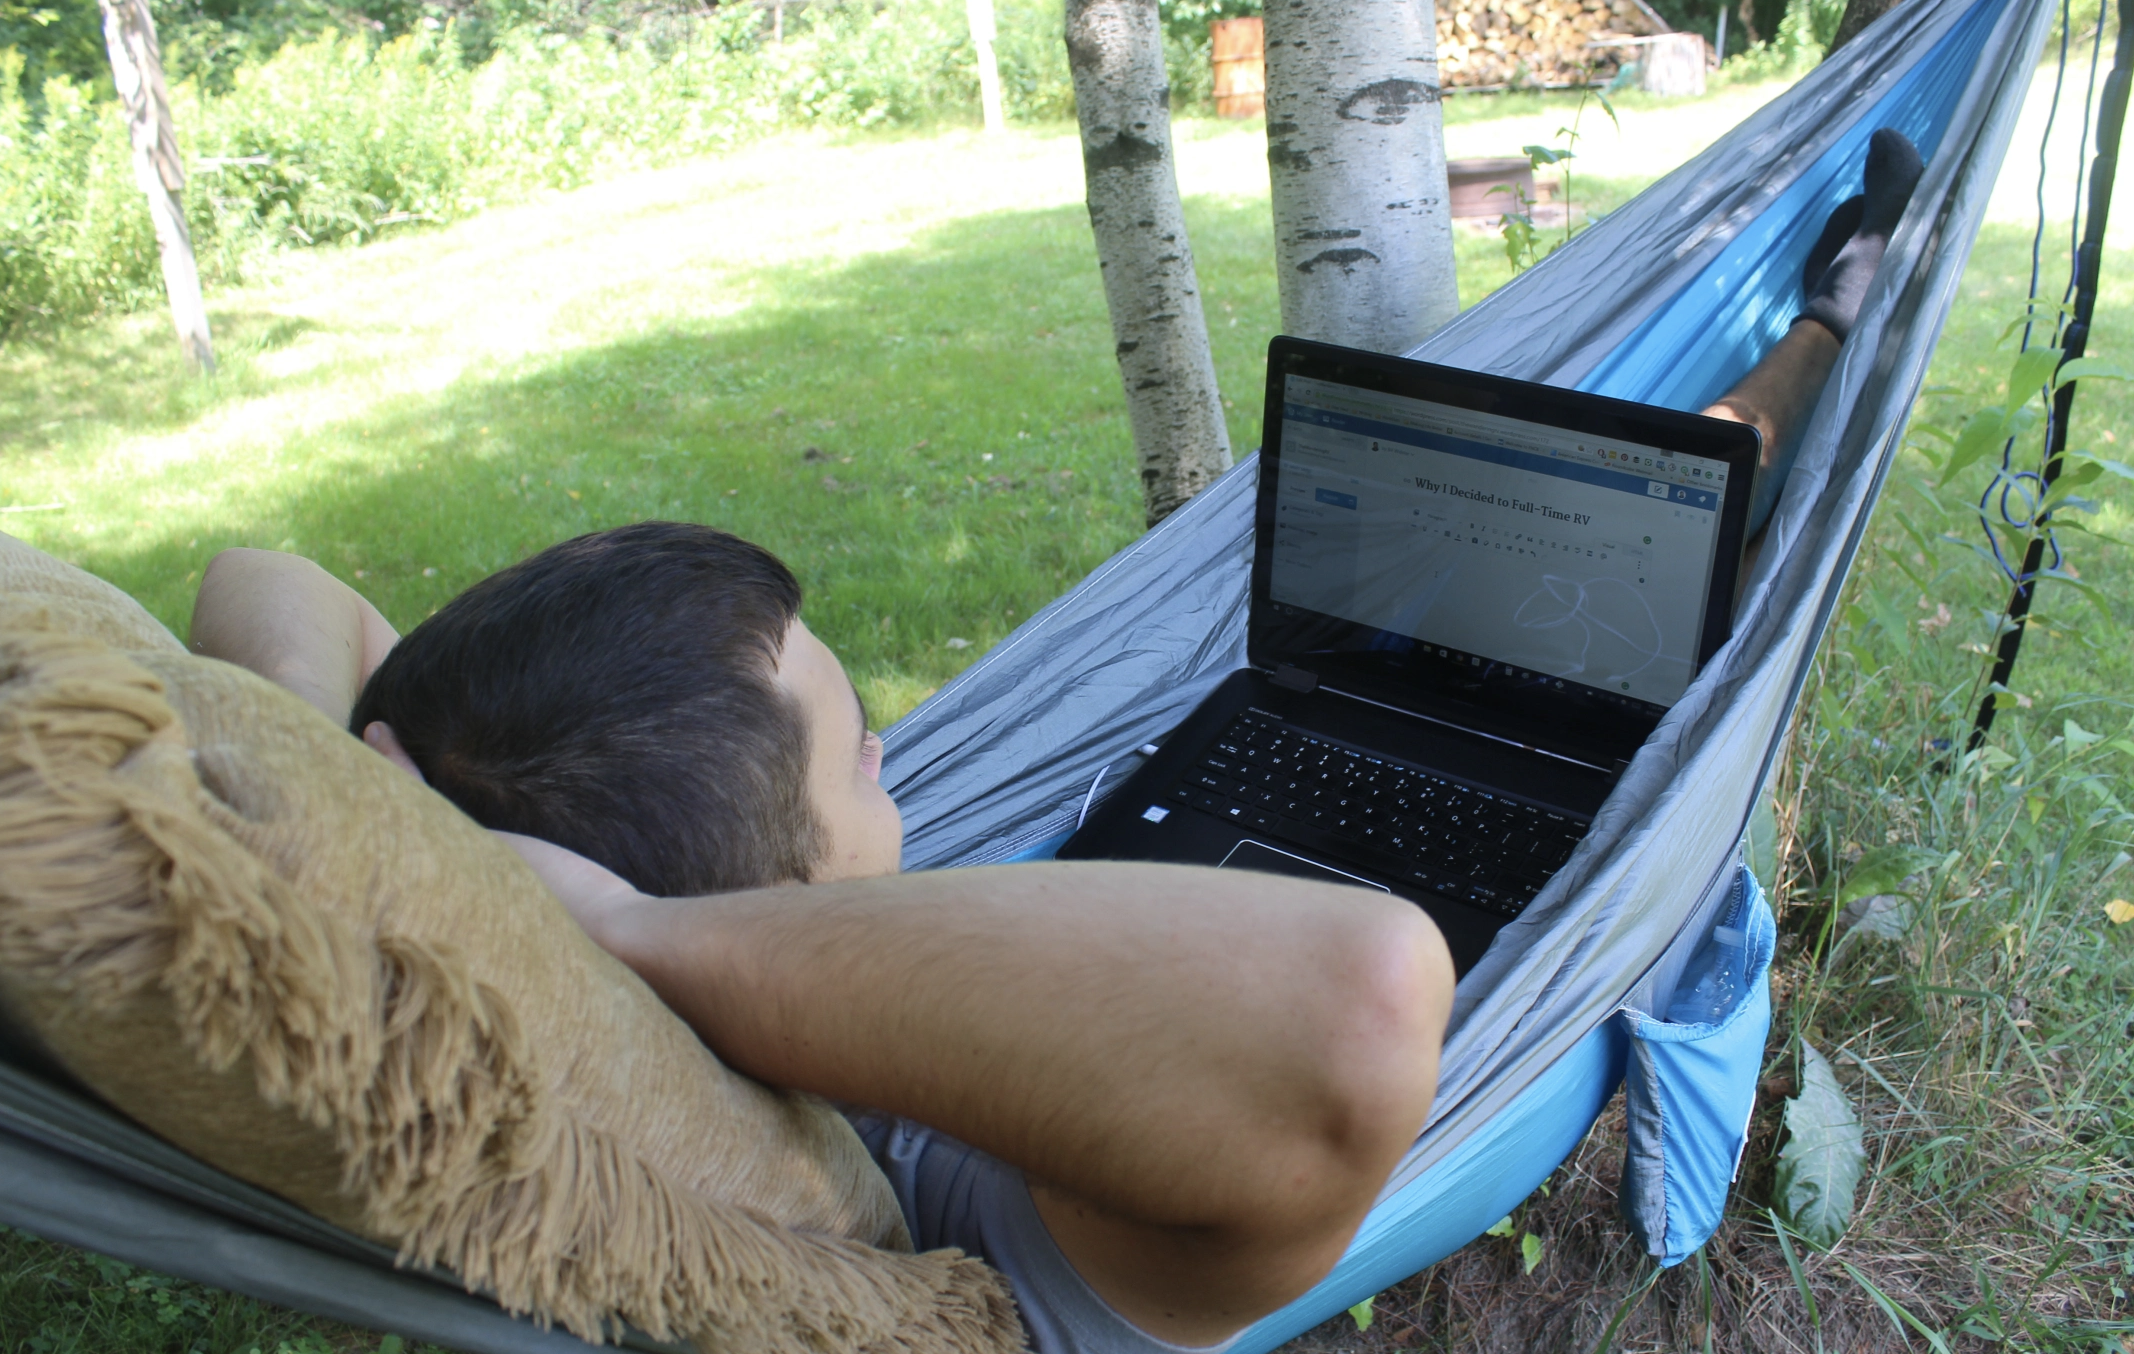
(293, 623)
(1208, 1074)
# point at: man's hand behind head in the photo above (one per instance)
(593, 894)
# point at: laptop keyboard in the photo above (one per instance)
(1405, 823)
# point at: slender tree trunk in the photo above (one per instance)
(1858, 15)
(130, 38)
(980, 13)
(1123, 100)
(1356, 156)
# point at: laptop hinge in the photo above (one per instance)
(1294, 679)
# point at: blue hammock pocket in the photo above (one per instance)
(1689, 1087)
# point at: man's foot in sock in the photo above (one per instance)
(1850, 248)
(1843, 223)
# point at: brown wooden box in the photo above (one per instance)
(1472, 180)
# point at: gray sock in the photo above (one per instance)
(1850, 248)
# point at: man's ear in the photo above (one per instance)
(379, 736)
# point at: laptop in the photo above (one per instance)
(1473, 599)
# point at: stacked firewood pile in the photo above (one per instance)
(1494, 43)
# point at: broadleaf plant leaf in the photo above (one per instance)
(2119, 468)
(1762, 842)
(1884, 870)
(1819, 1170)
(1983, 432)
(2090, 369)
(2030, 373)
(1362, 1314)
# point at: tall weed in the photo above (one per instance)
(1951, 911)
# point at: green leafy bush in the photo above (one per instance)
(338, 138)
(73, 234)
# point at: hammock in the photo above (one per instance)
(1666, 300)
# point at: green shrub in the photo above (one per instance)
(73, 236)
(337, 138)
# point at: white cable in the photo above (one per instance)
(1091, 797)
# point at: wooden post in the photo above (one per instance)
(130, 38)
(980, 13)
(1239, 49)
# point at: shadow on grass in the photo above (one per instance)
(126, 374)
(934, 438)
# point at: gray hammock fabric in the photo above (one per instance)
(1000, 763)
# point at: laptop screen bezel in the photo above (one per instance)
(1378, 665)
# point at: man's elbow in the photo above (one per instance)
(1382, 1070)
(1370, 1038)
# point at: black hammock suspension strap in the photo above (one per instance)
(2111, 115)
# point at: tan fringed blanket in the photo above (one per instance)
(254, 936)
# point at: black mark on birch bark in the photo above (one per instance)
(1329, 234)
(1389, 102)
(1124, 151)
(1344, 259)
(1281, 156)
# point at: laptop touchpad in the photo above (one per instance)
(1250, 855)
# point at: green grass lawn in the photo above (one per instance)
(887, 358)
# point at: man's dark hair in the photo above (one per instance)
(617, 695)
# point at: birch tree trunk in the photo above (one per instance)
(983, 31)
(130, 39)
(1356, 158)
(1123, 102)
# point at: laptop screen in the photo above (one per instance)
(1541, 549)
(1555, 564)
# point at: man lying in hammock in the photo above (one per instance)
(1160, 1100)
(1203, 1078)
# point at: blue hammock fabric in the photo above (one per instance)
(1665, 300)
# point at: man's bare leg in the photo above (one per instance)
(1207, 1075)
(1775, 398)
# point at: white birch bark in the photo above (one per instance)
(1356, 157)
(1123, 102)
(983, 32)
(137, 70)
